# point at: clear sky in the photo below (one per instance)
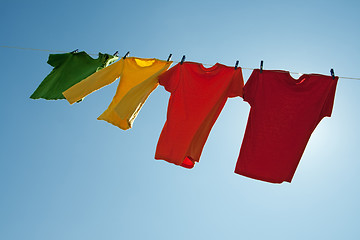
(66, 175)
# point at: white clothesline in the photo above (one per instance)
(95, 54)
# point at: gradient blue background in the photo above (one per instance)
(66, 175)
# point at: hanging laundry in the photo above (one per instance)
(69, 69)
(138, 78)
(198, 95)
(284, 113)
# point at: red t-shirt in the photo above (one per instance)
(284, 112)
(198, 95)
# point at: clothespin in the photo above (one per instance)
(182, 60)
(169, 58)
(126, 55)
(116, 53)
(236, 64)
(332, 73)
(75, 51)
(261, 66)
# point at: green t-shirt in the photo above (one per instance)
(69, 69)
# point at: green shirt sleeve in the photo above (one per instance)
(56, 60)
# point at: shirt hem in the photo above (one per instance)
(253, 176)
(115, 124)
(175, 163)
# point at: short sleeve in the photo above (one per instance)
(170, 78)
(56, 60)
(329, 102)
(250, 87)
(237, 84)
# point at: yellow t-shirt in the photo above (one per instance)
(138, 78)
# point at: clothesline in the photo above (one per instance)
(95, 54)
(194, 105)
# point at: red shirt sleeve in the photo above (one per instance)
(329, 102)
(249, 90)
(170, 78)
(237, 84)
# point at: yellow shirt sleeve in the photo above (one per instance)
(94, 82)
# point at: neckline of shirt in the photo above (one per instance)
(100, 55)
(209, 69)
(155, 60)
(297, 81)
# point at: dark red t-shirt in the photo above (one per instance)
(198, 95)
(284, 113)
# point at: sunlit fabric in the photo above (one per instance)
(284, 113)
(69, 69)
(138, 78)
(198, 95)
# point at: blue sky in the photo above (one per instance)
(66, 175)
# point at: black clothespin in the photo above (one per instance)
(332, 73)
(126, 55)
(182, 60)
(261, 66)
(169, 58)
(75, 51)
(236, 64)
(116, 53)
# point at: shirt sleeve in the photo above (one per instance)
(249, 90)
(170, 78)
(329, 102)
(237, 84)
(56, 60)
(94, 82)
